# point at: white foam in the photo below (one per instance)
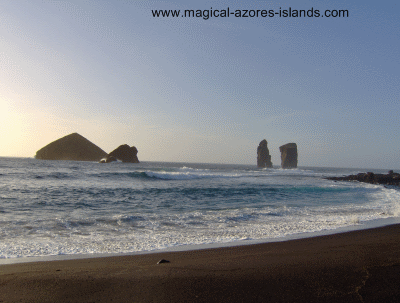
(187, 175)
(159, 231)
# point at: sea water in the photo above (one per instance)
(70, 208)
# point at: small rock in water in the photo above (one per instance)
(162, 261)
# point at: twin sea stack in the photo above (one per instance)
(77, 148)
(288, 155)
(263, 156)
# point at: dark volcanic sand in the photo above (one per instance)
(358, 266)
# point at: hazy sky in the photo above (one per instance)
(195, 90)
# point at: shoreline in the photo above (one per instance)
(376, 223)
(353, 266)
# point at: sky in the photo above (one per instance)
(203, 91)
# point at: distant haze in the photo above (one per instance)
(195, 90)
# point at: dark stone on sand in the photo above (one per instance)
(263, 156)
(125, 153)
(162, 261)
(389, 179)
(288, 155)
(72, 147)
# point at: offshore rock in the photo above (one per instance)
(263, 156)
(288, 155)
(125, 153)
(72, 147)
(390, 179)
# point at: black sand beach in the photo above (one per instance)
(357, 266)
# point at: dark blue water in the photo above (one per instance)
(71, 208)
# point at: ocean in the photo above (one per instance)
(72, 209)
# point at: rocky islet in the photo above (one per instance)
(71, 147)
(77, 148)
(288, 155)
(263, 156)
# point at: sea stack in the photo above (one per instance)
(289, 155)
(263, 156)
(72, 147)
(124, 153)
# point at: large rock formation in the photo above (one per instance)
(124, 153)
(71, 147)
(263, 156)
(289, 155)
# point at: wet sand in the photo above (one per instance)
(357, 266)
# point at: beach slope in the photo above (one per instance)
(358, 266)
